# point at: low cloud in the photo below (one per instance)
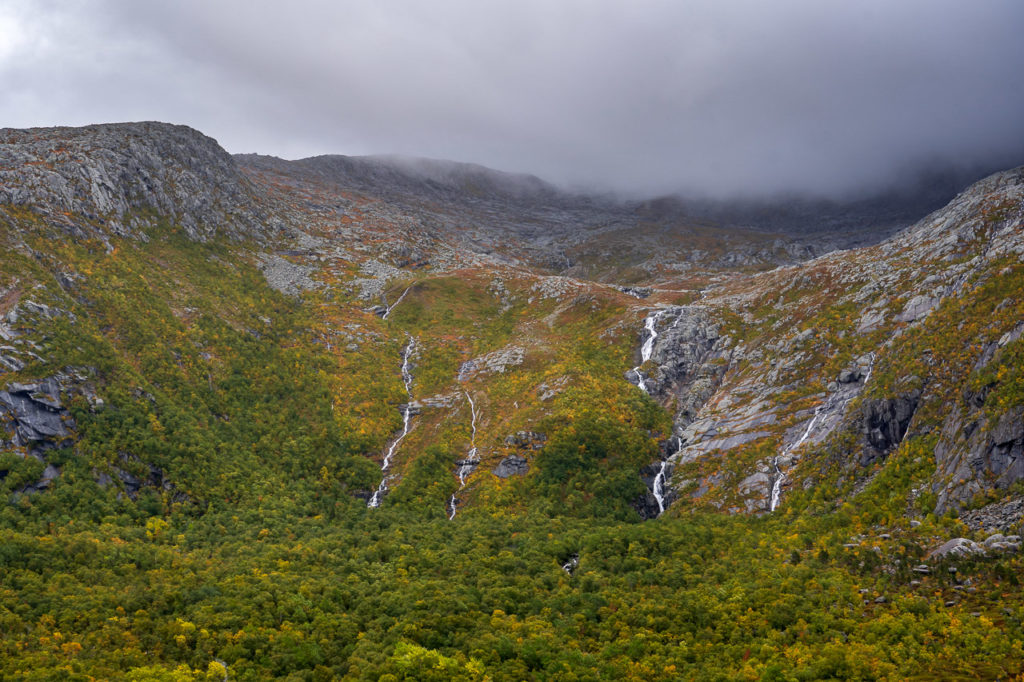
(645, 97)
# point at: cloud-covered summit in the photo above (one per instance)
(647, 97)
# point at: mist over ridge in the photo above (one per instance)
(659, 98)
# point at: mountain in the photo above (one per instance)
(388, 418)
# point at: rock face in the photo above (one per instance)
(689, 358)
(884, 423)
(33, 412)
(495, 362)
(526, 440)
(104, 172)
(36, 420)
(513, 465)
(973, 455)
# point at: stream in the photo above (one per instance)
(398, 300)
(658, 488)
(647, 347)
(382, 489)
(468, 464)
(835, 402)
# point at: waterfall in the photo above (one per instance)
(650, 335)
(659, 487)
(647, 347)
(391, 307)
(833, 403)
(406, 417)
(780, 476)
(471, 460)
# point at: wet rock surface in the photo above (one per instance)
(884, 423)
(688, 359)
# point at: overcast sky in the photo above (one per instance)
(640, 96)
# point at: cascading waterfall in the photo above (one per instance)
(661, 479)
(471, 460)
(406, 418)
(647, 347)
(646, 351)
(659, 487)
(391, 307)
(829, 405)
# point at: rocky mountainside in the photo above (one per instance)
(886, 344)
(521, 219)
(214, 366)
(115, 175)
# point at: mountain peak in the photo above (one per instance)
(102, 172)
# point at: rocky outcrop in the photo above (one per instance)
(115, 174)
(34, 415)
(36, 421)
(134, 475)
(495, 362)
(687, 361)
(973, 455)
(884, 423)
(285, 276)
(513, 465)
(516, 464)
(526, 440)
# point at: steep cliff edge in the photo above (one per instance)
(120, 177)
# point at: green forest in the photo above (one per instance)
(210, 520)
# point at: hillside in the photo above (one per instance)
(378, 418)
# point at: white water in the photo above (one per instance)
(471, 460)
(397, 301)
(829, 405)
(661, 478)
(647, 347)
(646, 351)
(406, 416)
(659, 487)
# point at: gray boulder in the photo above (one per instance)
(957, 547)
(513, 465)
(526, 440)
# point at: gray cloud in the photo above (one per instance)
(647, 96)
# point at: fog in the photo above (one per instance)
(705, 97)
